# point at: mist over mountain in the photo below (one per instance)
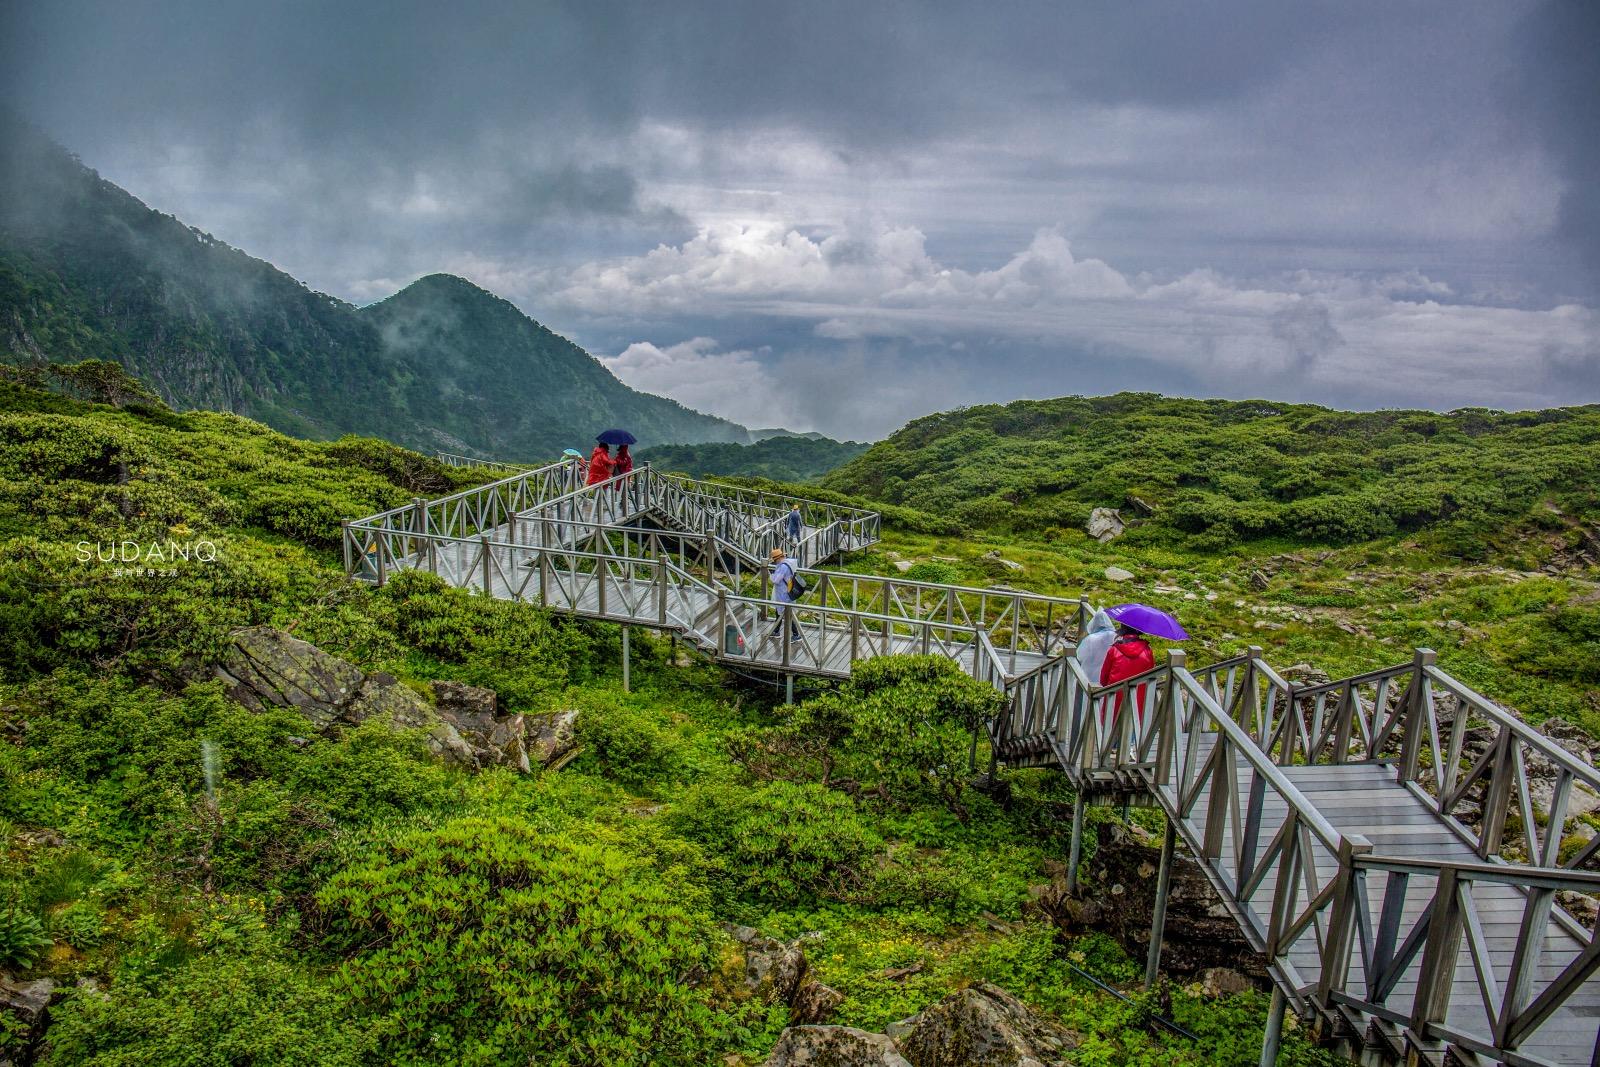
(88, 271)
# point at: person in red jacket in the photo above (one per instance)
(600, 465)
(623, 464)
(1129, 655)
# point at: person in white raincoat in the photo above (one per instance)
(1097, 640)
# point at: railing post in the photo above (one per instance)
(349, 557)
(1250, 710)
(483, 542)
(1431, 1001)
(1497, 798)
(1158, 921)
(627, 660)
(1274, 1032)
(1417, 714)
(1347, 897)
(544, 577)
(722, 622)
(1075, 856)
(661, 593)
(383, 566)
(1166, 741)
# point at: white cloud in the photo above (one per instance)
(1395, 339)
(696, 372)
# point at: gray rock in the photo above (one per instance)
(1105, 524)
(1223, 981)
(984, 1026)
(903, 565)
(383, 698)
(772, 969)
(1118, 574)
(267, 668)
(551, 736)
(497, 738)
(833, 1046)
(1009, 564)
(813, 1002)
(29, 1004)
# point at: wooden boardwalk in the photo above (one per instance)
(1383, 840)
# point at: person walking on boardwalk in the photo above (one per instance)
(600, 464)
(782, 592)
(1092, 648)
(1128, 655)
(794, 524)
(623, 464)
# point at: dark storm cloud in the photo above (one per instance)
(895, 204)
(1559, 86)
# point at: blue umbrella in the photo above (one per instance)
(573, 452)
(616, 437)
(1145, 619)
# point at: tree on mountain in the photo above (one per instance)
(103, 382)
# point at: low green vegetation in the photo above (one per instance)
(1218, 473)
(234, 886)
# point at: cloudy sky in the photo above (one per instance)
(838, 216)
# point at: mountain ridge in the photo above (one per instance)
(88, 271)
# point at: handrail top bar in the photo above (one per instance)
(1519, 874)
(1525, 732)
(865, 512)
(460, 494)
(473, 461)
(1334, 684)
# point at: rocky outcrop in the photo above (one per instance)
(980, 1026)
(834, 1046)
(496, 737)
(773, 969)
(551, 736)
(268, 668)
(28, 1003)
(813, 1002)
(984, 1026)
(1105, 524)
(1116, 895)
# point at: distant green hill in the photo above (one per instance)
(790, 458)
(1234, 470)
(89, 272)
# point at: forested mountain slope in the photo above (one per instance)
(89, 272)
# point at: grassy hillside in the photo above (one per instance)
(1218, 473)
(784, 459)
(339, 897)
(89, 272)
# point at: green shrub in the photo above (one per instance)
(486, 942)
(22, 937)
(632, 744)
(931, 571)
(785, 842)
(217, 1010)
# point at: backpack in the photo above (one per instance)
(797, 585)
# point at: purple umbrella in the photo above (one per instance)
(616, 437)
(1145, 619)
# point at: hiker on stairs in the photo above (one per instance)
(783, 575)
